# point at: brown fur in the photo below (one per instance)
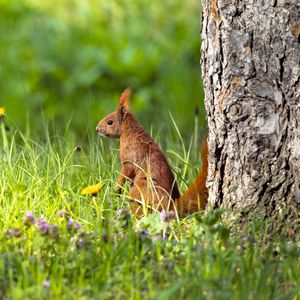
(152, 181)
(195, 198)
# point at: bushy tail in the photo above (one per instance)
(195, 198)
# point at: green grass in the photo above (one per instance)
(113, 255)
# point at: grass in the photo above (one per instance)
(76, 246)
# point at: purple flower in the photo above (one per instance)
(53, 231)
(60, 213)
(9, 232)
(46, 284)
(163, 216)
(13, 232)
(170, 264)
(167, 216)
(77, 226)
(123, 214)
(245, 240)
(156, 237)
(70, 224)
(29, 219)
(143, 233)
(63, 213)
(43, 226)
(80, 243)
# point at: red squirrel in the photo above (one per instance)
(152, 182)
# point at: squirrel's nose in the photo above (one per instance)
(97, 129)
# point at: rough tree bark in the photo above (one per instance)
(250, 66)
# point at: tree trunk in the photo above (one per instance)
(250, 65)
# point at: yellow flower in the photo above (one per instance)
(2, 112)
(92, 189)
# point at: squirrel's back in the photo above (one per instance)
(137, 147)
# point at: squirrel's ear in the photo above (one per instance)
(122, 110)
(124, 99)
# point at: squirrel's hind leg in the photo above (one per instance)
(147, 198)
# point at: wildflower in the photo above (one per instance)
(73, 240)
(143, 233)
(156, 237)
(46, 284)
(123, 214)
(163, 216)
(60, 214)
(167, 216)
(70, 224)
(9, 232)
(13, 232)
(80, 243)
(169, 264)
(53, 231)
(29, 219)
(77, 226)
(92, 189)
(63, 213)
(81, 233)
(2, 112)
(245, 241)
(43, 226)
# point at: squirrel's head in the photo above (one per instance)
(111, 124)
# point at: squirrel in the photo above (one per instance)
(152, 183)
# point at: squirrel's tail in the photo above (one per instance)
(195, 198)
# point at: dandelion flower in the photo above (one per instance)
(2, 112)
(92, 189)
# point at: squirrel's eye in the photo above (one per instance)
(109, 122)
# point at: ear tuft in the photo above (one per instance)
(124, 99)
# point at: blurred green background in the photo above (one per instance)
(68, 61)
